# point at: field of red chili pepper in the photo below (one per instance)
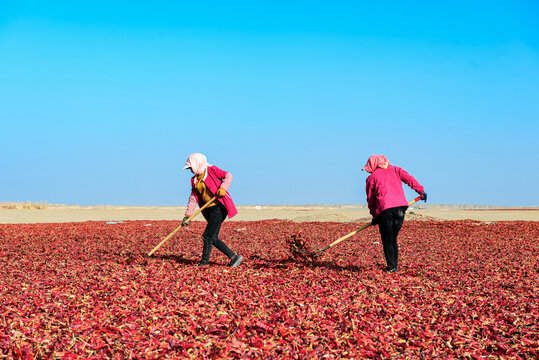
(85, 290)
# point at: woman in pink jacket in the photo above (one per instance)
(209, 180)
(387, 202)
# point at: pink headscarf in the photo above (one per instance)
(376, 161)
(197, 162)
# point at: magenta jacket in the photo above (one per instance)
(384, 189)
(215, 178)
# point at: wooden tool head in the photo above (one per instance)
(299, 249)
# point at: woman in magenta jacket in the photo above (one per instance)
(209, 180)
(387, 202)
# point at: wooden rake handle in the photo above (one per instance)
(181, 225)
(357, 230)
(344, 237)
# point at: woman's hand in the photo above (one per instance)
(424, 197)
(185, 222)
(220, 192)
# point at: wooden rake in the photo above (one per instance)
(312, 255)
(181, 225)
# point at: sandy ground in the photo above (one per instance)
(341, 213)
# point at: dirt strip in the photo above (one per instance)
(344, 213)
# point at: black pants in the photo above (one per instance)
(215, 215)
(390, 222)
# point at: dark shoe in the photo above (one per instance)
(235, 261)
(390, 270)
(202, 263)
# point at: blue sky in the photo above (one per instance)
(102, 101)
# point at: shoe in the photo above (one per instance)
(236, 261)
(390, 270)
(203, 263)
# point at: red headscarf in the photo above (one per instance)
(376, 161)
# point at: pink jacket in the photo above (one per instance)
(384, 189)
(215, 178)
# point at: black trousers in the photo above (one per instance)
(390, 222)
(214, 215)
